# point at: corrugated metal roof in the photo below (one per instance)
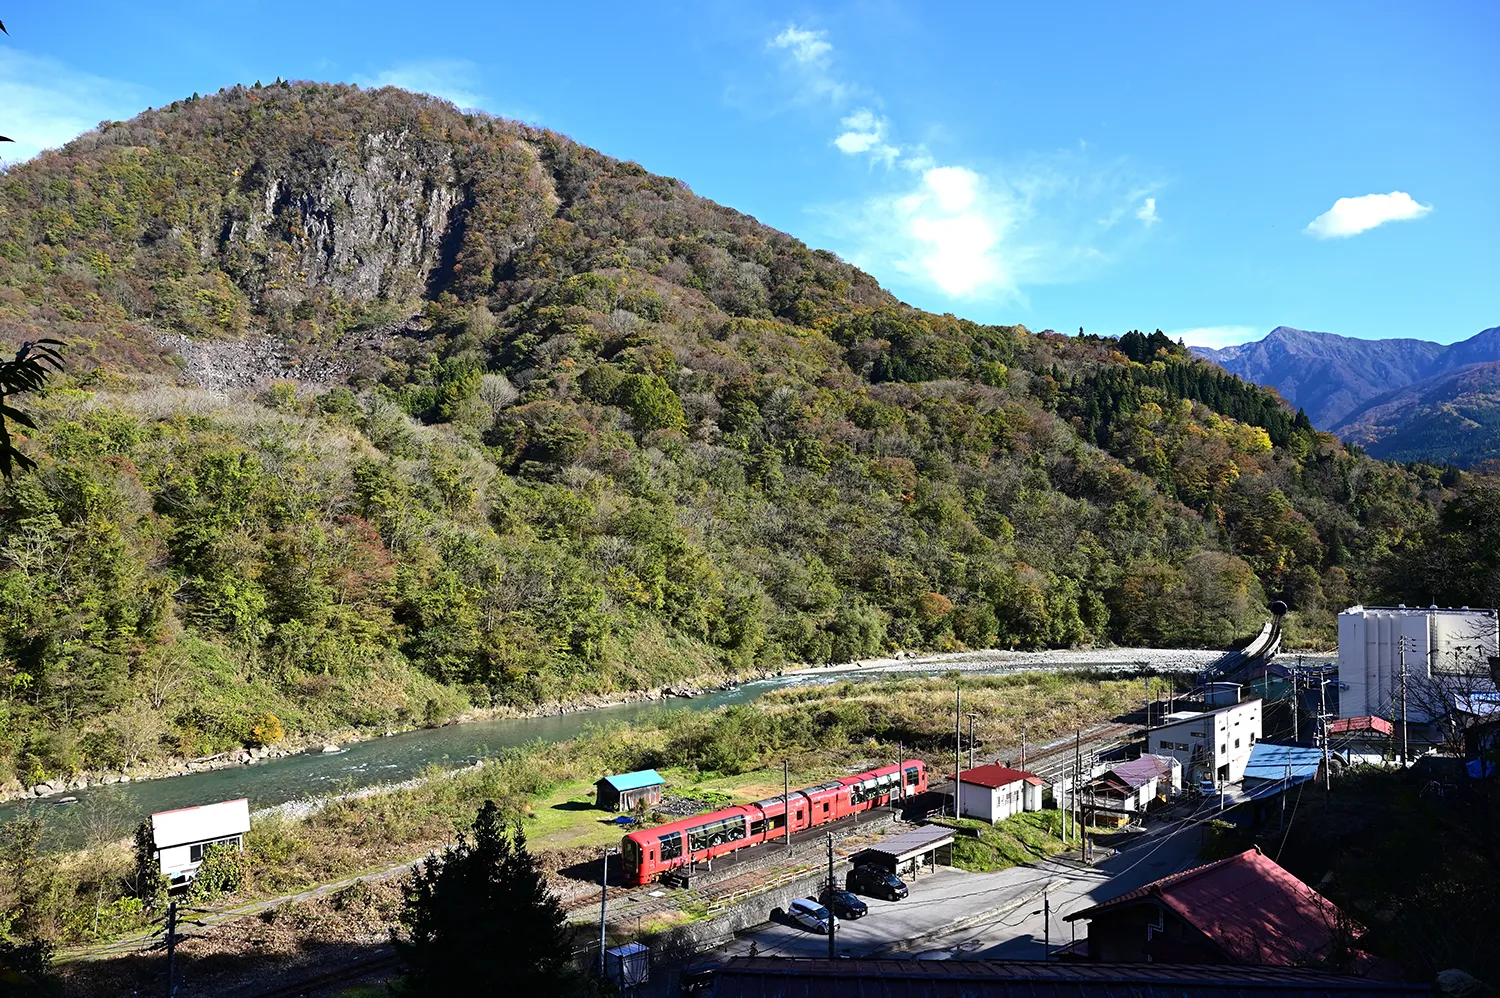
(1138, 772)
(995, 775)
(917, 840)
(1345, 725)
(1252, 909)
(200, 824)
(634, 781)
(764, 977)
(1283, 762)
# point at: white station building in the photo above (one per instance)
(1446, 660)
(181, 836)
(1212, 744)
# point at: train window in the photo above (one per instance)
(777, 821)
(716, 833)
(757, 827)
(671, 845)
(825, 807)
(630, 854)
(913, 776)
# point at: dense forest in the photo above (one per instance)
(579, 432)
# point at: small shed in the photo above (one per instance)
(624, 792)
(182, 836)
(993, 793)
(905, 854)
(628, 966)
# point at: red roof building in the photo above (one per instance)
(1347, 725)
(995, 776)
(1242, 910)
(993, 793)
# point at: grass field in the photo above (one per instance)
(1023, 838)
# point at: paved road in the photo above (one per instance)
(951, 913)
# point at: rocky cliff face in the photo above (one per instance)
(367, 223)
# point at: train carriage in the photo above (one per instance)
(650, 852)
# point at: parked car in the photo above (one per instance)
(1208, 788)
(808, 914)
(875, 882)
(844, 904)
(697, 979)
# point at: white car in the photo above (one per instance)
(811, 916)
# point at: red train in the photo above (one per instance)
(650, 852)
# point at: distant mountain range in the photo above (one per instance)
(1405, 399)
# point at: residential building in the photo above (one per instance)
(1129, 787)
(1243, 910)
(625, 791)
(782, 977)
(1444, 654)
(1212, 744)
(182, 837)
(993, 793)
(1360, 739)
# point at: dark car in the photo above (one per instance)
(698, 979)
(843, 904)
(875, 882)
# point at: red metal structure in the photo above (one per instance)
(650, 852)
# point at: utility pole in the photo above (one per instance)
(1083, 833)
(1296, 701)
(1148, 715)
(1403, 703)
(1323, 731)
(958, 747)
(971, 739)
(1046, 925)
(1023, 745)
(603, 901)
(172, 950)
(832, 919)
(786, 795)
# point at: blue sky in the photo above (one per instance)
(1204, 169)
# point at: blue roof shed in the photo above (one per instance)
(625, 791)
(1283, 765)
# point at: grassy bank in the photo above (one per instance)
(732, 754)
(1020, 839)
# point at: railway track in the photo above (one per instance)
(347, 974)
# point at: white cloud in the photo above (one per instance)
(1216, 336)
(456, 80)
(1147, 212)
(807, 47)
(44, 103)
(975, 234)
(1351, 216)
(865, 133)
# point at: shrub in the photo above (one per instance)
(266, 730)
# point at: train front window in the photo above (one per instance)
(912, 776)
(630, 855)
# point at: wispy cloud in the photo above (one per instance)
(809, 61)
(864, 133)
(966, 231)
(456, 80)
(44, 103)
(806, 47)
(1216, 336)
(1351, 216)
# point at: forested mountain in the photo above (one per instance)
(1451, 417)
(1330, 377)
(553, 426)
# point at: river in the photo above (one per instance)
(394, 758)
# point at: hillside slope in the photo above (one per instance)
(551, 426)
(1452, 417)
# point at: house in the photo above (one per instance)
(1360, 739)
(1212, 744)
(886, 977)
(993, 793)
(181, 837)
(1243, 910)
(625, 791)
(1273, 768)
(1129, 787)
(1443, 653)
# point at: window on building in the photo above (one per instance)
(1223, 749)
(197, 849)
(1236, 743)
